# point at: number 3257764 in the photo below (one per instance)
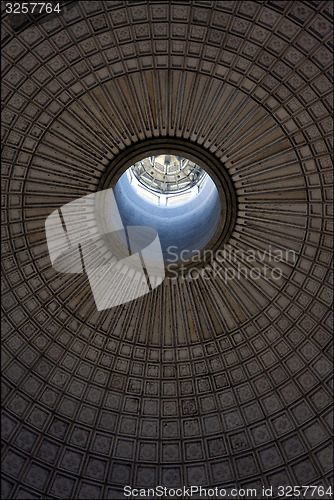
(32, 8)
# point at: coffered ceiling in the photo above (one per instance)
(198, 382)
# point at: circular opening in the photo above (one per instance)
(176, 197)
(180, 189)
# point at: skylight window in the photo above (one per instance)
(166, 180)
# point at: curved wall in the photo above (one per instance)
(187, 227)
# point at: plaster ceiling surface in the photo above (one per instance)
(200, 381)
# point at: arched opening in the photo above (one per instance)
(176, 197)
